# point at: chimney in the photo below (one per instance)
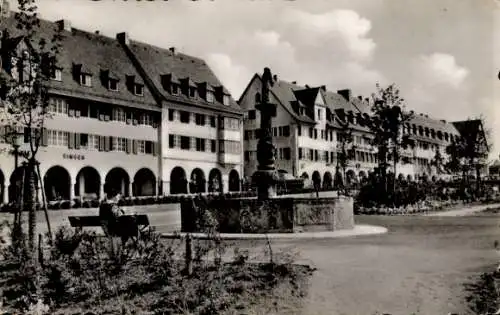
(347, 94)
(360, 97)
(443, 121)
(123, 38)
(275, 78)
(323, 87)
(367, 100)
(64, 25)
(294, 82)
(307, 86)
(172, 50)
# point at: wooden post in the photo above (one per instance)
(40, 249)
(189, 255)
(44, 201)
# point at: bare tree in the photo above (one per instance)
(29, 60)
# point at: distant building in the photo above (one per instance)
(494, 169)
(306, 129)
(146, 120)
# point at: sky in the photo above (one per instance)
(440, 53)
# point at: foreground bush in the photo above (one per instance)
(87, 274)
(484, 293)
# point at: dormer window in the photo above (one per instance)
(192, 92)
(113, 85)
(210, 96)
(134, 85)
(175, 89)
(138, 89)
(56, 75)
(225, 100)
(85, 79)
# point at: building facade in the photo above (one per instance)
(307, 126)
(143, 119)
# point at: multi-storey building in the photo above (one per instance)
(307, 126)
(201, 128)
(143, 119)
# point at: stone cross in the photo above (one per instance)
(265, 176)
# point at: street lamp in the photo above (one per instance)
(16, 140)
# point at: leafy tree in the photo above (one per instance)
(386, 125)
(468, 152)
(29, 59)
(346, 150)
(438, 161)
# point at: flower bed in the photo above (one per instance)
(420, 207)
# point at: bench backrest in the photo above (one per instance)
(95, 220)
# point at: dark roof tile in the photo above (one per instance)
(158, 61)
(94, 52)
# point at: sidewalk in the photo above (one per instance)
(358, 230)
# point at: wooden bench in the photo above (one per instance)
(126, 226)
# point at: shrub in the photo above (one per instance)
(65, 204)
(77, 203)
(94, 203)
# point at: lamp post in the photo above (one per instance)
(16, 140)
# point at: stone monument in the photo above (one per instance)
(266, 177)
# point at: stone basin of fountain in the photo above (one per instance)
(280, 214)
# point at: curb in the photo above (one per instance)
(359, 230)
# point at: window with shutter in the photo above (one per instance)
(129, 146)
(134, 146)
(45, 137)
(77, 140)
(71, 140)
(101, 143)
(155, 148)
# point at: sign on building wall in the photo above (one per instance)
(70, 156)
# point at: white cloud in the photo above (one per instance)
(442, 69)
(344, 27)
(235, 77)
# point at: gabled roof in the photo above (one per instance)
(307, 96)
(158, 61)
(94, 52)
(335, 101)
(472, 129)
(285, 93)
